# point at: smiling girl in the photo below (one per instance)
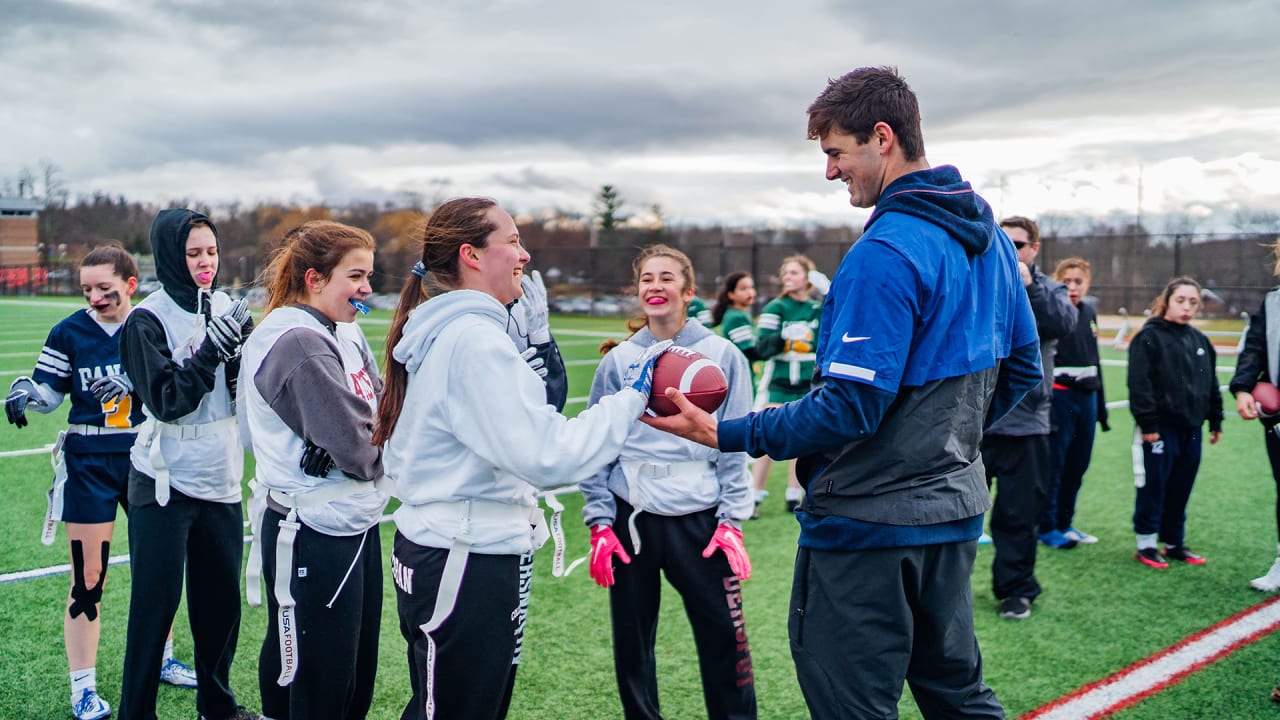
(310, 386)
(1173, 389)
(672, 507)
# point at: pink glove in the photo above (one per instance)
(729, 539)
(604, 545)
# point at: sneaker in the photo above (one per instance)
(174, 672)
(1181, 553)
(1056, 539)
(755, 513)
(792, 505)
(1015, 608)
(1269, 582)
(240, 714)
(984, 539)
(1083, 538)
(1151, 558)
(90, 706)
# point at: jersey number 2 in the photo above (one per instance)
(117, 411)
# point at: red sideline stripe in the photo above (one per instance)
(1129, 686)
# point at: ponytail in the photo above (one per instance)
(396, 380)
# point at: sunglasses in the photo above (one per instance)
(1019, 244)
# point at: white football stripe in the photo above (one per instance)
(686, 379)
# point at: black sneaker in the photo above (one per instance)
(1182, 554)
(1015, 608)
(1151, 558)
(792, 505)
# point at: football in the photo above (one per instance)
(690, 372)
(1267, 396)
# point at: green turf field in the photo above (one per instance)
(1100, 612)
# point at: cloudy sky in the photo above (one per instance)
(1049, 109)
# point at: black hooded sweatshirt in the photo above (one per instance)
(169, 390)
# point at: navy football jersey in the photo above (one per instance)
(77, 352)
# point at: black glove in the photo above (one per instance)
(111, 388)
(15, 407)
(315, 460)
(227, 331)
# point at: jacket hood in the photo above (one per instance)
(169, 233)
(426, 321)
(940, 196)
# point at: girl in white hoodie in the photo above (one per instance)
(469, 439)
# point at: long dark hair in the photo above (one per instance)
(1161, 303)
(722, 298)
(458, 222)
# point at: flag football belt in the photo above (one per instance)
(795, 360)
(286, 617)
(1076, 373)
(181, 432)
(53, 506)
(675, 473)
(80, 429)
(456, 563)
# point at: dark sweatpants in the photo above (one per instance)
(864, 621)
(337, 631)
(206, 539)
(474, 647)
(712, 601)
(1020, 465)
(1273, 454)
(1171, 464)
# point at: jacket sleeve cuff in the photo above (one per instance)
(731, 435)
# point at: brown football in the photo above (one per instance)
(690, 372)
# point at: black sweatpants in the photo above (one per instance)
(712, 601)
(1022, 468)
(1273, 455)
(468, 672)
(337, 591)
(206, 540)
(863, 621)
(1171, 464)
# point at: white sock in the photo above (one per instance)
(796, 494)
(1147, 541)
(762, 494)
(81, 680)
(168, 650)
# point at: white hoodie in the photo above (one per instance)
(475, 425)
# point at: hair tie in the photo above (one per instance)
(419, 269)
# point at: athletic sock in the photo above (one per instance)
(796, 494)
(1147, 541)
(81, 680)
(168, 650)
(762, 494)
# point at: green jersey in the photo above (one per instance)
(787, 335)
(698, 311)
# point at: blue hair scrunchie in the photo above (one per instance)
(419, 269)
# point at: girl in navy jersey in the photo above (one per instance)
(81, 358)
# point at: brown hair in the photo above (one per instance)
(855, 102)
(112, 253)
(1027, 224)
(458, 222)
(804, 261)
(722, 298)
(1073, 263)
(1161, 303)
(647, 254)
(316, 245)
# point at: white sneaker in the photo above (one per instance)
(1079, 536)
(1269, 582)
(174, 672)
(90, 706)
(984, 539)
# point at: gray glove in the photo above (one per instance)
(22, 391)
(111, 388)
(536, 363)
(226, 331)
(535, 308)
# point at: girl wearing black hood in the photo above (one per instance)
(180, 347)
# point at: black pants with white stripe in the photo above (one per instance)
(206, 540)
(672, 546)
(337, 630)
(468, 673)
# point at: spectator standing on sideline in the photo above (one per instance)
(1079, 404)
(1257, 363)
(1016, 449)
(925, 326)
(1173, 389)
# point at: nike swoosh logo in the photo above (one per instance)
(846, 338)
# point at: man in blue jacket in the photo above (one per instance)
(926, 338)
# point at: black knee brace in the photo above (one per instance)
(85, 599)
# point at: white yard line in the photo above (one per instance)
(1167, 667)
